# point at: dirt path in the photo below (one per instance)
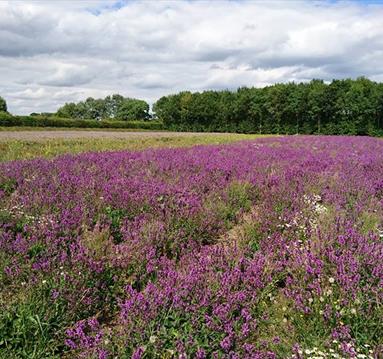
(71, 134)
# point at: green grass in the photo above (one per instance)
(30, 128)
(21, 149)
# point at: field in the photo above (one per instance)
(21, 144)
(269, 248)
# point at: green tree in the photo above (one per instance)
(3, 105)
(95, 109)
(132, 109)
(315, 106)
(112, 107)
(69, 110)
(168, 110)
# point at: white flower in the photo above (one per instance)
(331, 280)
(152, 339)
(353, 311)
(44, 281)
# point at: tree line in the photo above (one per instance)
(341, 107)
(348, 106)
(111, 107)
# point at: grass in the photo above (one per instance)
(21, 149)
(30, 128)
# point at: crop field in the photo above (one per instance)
(269, 248)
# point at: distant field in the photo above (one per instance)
(30, 128)
(31, 144)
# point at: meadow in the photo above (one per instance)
(28, 145)
(268, 248)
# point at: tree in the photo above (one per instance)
(112, 104)
(168, 110)
(95, 109)
(3, 105)
(316, 106)
(112, 107)
(132, 109)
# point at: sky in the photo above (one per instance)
(58, 51)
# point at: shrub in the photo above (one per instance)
(8, 120)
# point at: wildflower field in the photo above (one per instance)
(270, 248)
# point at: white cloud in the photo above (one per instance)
(57, 51)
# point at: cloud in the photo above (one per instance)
(58, 51)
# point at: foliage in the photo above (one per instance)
(112, 107)
(259, 249)
(353, 107)
(50, 121)
(3, 105)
